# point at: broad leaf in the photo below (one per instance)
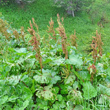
(13, 80)
(70, 80)
(44, 77)
(75, 96)
(46, 93)
(3, 99)
(78, 107)
(21, 50)
(84, 75)
(12, 98)
(54, 78)
(75, 60)
(89, 90)
(59, 105)
(64, 89)
(59, 61)
(42, 104)
(104, 90)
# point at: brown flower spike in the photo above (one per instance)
(63, 36)
(96, 46)
(35, 42)
(51, 27)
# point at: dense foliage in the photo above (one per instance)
(6, 2)
(72, 5)
(47, 73)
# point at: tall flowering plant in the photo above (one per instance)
(35, 42)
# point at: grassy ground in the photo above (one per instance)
(42, 11)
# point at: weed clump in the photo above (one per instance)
(35, 42)
(3, 29)
(96, 46)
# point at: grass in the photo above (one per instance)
(42, 11)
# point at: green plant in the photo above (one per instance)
(101, 15)
(54, 76)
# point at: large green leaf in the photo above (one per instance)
(59, 61)
(47, 60)
(104, 99)
(55, 90)
(21, 50)
(13, 80)
(44, 77)
(70, 80)
(59, 97)
(26, 93)
(27, 80)
(46, 93)
(75, 60)
(54, 78)
(59, 105)
(101, 71)
(89, 90)
(84, 75)
(108, 71)
(64, 89)
(78, 107)
(104, 90)
(42, 104)
(75, 96)
(25, 104)
(12, 98)
(3, 99)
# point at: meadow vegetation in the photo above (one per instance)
(85, 23)
(51, 61)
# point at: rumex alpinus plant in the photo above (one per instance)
(63, 36)
(96, 46)
(4, 26)
(22, 33)
(96, 53)
(35, 42)
(92, 70)
(16, 34)
(3, 29)
(99, 43)
(51, 28)
(73, 39)
(58, 87)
